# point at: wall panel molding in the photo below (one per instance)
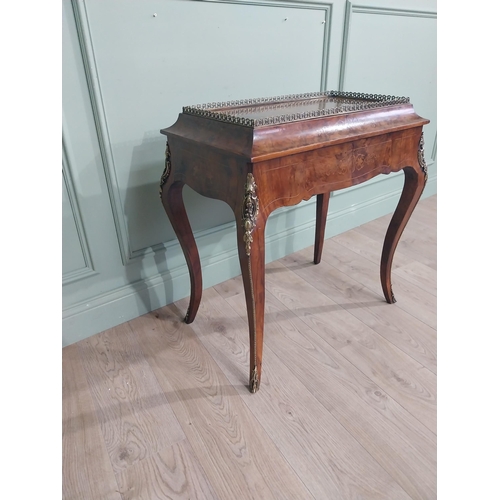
(88, 270)
(353, 8)
(367, 9)
(89, 59)
(90, 66)
(434, 150)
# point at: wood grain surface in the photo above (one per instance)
(87, 471)
(173, 472)
(403, 445)
(406, 380)
(413, 299)
(128, 399)
(238, 457)
(305, 432)
(405, 331)
(159, 409)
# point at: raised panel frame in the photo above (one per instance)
(359, 8)
(128, 255)
(88, 270)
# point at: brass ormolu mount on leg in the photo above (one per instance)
(250, 212)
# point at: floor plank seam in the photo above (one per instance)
(374, 382)
(99, 427)
(332, 415)
(378, 291)
(368, 326)
(292, 374)
(249, 407)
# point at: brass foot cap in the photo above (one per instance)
(254, 381)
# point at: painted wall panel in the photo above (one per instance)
(164, 55)
(391, 50)
(72, 254)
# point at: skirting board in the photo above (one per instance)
(286, 232)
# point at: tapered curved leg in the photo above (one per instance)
(251, 249)
(171, 197)
(321, 213)
(415, 179)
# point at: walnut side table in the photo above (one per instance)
(261, 154)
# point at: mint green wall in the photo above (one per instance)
(129, 67)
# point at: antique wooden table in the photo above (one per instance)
(261, 154)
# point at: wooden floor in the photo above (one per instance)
(157, 409)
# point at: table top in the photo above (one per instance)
(289, 108)
(270, 127)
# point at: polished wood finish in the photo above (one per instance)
(343, 411)
(174, 206)
(321, 214)
(259, 168)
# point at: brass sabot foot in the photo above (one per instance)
(254, 381)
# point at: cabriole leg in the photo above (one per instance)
(321, 213)
(251, 249)
(415, 179)
(171, 197)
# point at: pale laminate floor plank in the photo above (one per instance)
(411, 335)
(322, 453)
(173, 473)
(415, 246)
(426, 211)
(394, 371)
(369, 248)
(429, 202)
(398, 441)
(413, 271)
(418, 233)
(86, 468)
(330, 422)
(418, 241)
(413, 299)
(420, 275)
(238, 457)
(129, 402)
